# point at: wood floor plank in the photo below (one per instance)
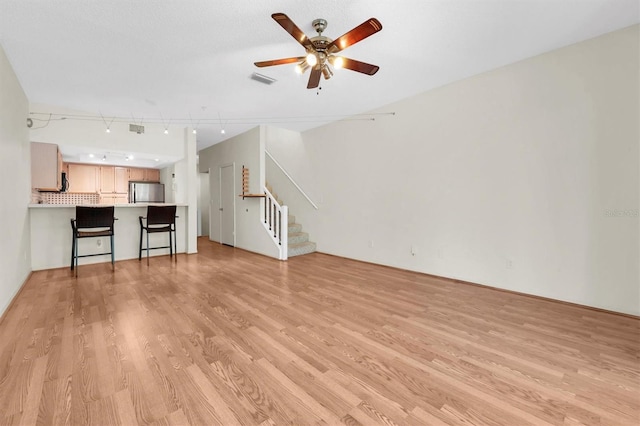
(212, 396)
(31, 407)
(233, 338)
(124, 405)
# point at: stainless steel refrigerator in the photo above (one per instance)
(146, 192)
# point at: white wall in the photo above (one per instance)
(189, 175)
(292, 155)
(287, 148)
(245, 149)
(15, 172)
(167, 177)
(507, 179)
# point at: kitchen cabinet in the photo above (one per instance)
(114, 180)
(46, 166)
(114, 199)
(83, 178)
(121, 180)
(107, 184)
(144, 175)
(136, 175)
(114, 185)
(152, 175)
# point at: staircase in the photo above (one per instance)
(298, 241)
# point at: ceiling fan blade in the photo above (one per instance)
(362, 31)
(278, 62)
(288, 25)
(363, 67)
(314, 78)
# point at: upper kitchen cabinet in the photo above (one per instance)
(114, 180)
(144, 175)
(136, 175)
(46, 167)
(152, 175)
(83, 178)
(121, 180)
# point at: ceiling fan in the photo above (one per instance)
(321, 50)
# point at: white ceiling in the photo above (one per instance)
(190, 61)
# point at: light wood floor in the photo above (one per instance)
(228, 337)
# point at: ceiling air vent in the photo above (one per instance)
(136, 128)
(262, 78)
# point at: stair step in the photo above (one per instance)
(297, 238)
(301, 248)
(294, 227)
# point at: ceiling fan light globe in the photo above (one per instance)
(312, 59)
(338, 62)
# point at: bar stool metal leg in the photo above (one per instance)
(113, 260)
(73, 250)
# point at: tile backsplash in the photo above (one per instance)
(66, 198)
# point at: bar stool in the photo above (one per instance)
(159, 219)
(91, 222)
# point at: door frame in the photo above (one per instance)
(233, 191)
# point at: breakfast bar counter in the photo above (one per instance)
(51, 235)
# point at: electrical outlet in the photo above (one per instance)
(99, 242)
(509, 264)
(414, 250)
(370, 243)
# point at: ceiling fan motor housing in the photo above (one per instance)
(320, 42)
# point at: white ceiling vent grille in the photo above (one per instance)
(262, 78)
(136, 128)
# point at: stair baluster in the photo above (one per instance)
(273, 213)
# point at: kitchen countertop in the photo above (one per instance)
(49, 206)
(51, 234)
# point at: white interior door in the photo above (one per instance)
(227, 205)
(204, 201)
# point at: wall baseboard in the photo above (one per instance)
(14, 298)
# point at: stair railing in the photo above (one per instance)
(276, 222)
(291, 179)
